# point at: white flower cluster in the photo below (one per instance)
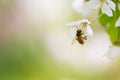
(84, 7)
(107, 7)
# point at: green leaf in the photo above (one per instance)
(113, 33)
(105, 20)
(109, 24)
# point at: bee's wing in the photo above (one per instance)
(73, 35)
(73, 32)
(73, 41)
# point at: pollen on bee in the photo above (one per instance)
(85, 37)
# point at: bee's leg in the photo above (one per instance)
(85, 37)
(82, 33)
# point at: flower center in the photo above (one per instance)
(86, 0)
(84, 24)
(102, 1)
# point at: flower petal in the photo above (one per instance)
(89, 31)
(106, 9)
(117, 24)
(113, 52)
(85, 20)
(93, 4)
(73, 24)
(111, 4)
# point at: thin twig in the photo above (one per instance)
(96, 18)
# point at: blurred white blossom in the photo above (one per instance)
(113, 52)
(81, 7)
(117, 24)
(93, 4)
(107, 6)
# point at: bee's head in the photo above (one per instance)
(79, 30)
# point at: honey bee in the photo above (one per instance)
(79, 37)
(81, 30)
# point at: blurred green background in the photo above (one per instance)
(35, 44)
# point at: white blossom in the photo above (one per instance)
(117, 24)
(89, 31)
(107, 6)
(106, 9)
(111, 4)
(81, 7)
(84, 25)
(113, 52)
(87, 28)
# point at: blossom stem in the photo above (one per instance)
(117, 10)
(96, 18)
(117, 42)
